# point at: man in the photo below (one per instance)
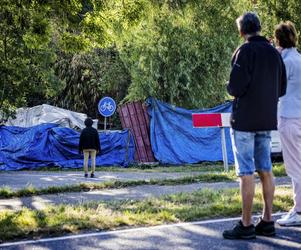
(89, 145)
(257, 80)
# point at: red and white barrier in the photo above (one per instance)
(211, 120)
(220, 120)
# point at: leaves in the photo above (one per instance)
(90, 76)
(73, 52)
(176, 55)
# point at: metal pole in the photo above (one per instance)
(224, 149)
(105, 127)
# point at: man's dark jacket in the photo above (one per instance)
(257, 80)
(89, 139)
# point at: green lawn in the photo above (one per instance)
(204, 204)
(150, 168)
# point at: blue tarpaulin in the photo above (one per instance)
(175, 141)
(51, 145)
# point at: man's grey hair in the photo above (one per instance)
(248, 23)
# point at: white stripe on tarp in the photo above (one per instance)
(77, 236)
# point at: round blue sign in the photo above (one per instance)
(106, 106)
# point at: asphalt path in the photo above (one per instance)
(197, 235)
(129, 193)
(43, 179)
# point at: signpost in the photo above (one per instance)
(106, 108)
(220, 120)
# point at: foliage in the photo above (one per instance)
(272, 12)
(71, 53)
(89, 76)
(26, 51)
(180, 55)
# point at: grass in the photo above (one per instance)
(149, 168)
(279, 170)
(184, 207)
(155, 168)
(218, 176)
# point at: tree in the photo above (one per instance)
(72, 52)
(272, 12)
(28, 42)
(179, 51)
(90, 76)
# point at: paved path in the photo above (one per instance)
(131, 193)
(186, 236)
(21, 179)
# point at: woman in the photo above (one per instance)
(289, 113)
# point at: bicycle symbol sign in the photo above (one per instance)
(106, 106)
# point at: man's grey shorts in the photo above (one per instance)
(252, 151)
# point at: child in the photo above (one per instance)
(89, 145)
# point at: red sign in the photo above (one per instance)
(211, 120)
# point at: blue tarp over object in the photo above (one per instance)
(175, 141)
(51, 145)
